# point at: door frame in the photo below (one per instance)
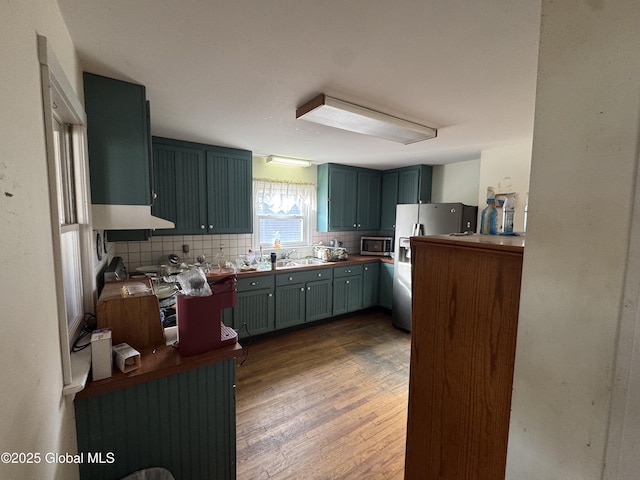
(622, 458)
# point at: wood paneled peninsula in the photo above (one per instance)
(174, 412)
(465, 318)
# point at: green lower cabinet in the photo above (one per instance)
(347, 289)
(319, 300)
(347, 294)
(254, 312)
(290, 305)
(386, 286)
(185, 423)
(370, 284)
(303, 296)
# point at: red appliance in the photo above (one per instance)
(200, 328)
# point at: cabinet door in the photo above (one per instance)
(229, 193)
(414, 184)
(408, 185)
(389, 200)
(386, 286)
(180, 185)
(354, 293)
(319, 303)
(347, 294)
(343, 184)
(254, 312)
(368, 214)
(370, 286)
(119, 157)
(290, 305)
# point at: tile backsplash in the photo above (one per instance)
(156, 250)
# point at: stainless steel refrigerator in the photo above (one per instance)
(422, 219)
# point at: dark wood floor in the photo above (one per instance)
(326, 402)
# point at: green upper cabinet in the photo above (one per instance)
(369, 190)
(203, 189)
(337, 197)
(389, 200)
(118, 141)
(403, 185)
(414, 184)
(348, 198)
(229, 192)
(180, 180)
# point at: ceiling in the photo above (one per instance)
(233, 72)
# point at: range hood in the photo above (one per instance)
(126, 217)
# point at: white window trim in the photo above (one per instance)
(59, 100)
(310, 216)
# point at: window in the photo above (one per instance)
(283, 213)
(72, 235)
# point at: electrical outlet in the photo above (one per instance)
(185, 248)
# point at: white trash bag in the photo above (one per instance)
(155, 473)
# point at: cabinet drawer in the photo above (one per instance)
(303, 276)
(254, 282)
(347, 271)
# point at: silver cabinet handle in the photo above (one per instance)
(366, 268)
(290, 278)
(253, 284)
(302, 289)
(210, 226)
(271, 295)
(308, 288)
(202, 227)
(358, 225)
(354, 225)
(347, 282)
(319, 274)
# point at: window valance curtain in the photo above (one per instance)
(282, 197)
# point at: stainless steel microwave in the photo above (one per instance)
(382, 246)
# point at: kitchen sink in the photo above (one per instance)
(303, 262)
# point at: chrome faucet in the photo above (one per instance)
(288, 254)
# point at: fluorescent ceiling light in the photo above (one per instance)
(295, 162)
(354, 118)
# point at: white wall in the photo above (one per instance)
(507, 169)
(456, 182)
(35, 417)
(582, 179)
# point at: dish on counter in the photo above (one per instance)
(164, 291)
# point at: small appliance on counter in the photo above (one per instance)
(115, 271)
(382, 246)
(200, 328)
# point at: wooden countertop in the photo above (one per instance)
(165, 360)
(352, 260)
(513, 243)
(158, 362)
